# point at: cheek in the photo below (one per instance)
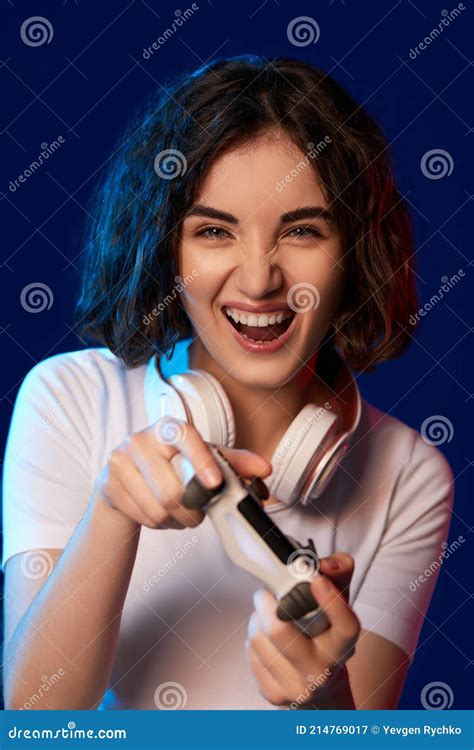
(325, 285)
(198, 292)
(206, 274)
(195, 279)
(323, 279)
(189, 261)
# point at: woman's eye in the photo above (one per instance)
(218, 233)
(302, 232)
(213, 233)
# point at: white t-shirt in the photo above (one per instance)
(187, 608)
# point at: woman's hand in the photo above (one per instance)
(140, 481)
(292, 669)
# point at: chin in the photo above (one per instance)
(254, 375)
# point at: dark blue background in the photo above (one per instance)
(85, 83)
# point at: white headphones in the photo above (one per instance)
(309, 452)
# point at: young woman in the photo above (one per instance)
(248, 188)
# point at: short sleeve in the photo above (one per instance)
(397, 589)
(47, 478)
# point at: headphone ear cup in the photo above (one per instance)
(301, 448)
(207, 405)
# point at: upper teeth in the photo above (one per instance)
(250, 319)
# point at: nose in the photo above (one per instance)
(258, 272)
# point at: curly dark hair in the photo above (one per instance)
(131, 258)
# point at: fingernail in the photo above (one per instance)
(332, 563)
(260, 488)
(212, 477)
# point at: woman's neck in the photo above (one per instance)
(262, 415)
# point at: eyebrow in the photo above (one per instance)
(305, 212)
(212, 213)
(308, 212)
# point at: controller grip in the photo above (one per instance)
(297, 602)
(299, 606)
(196, 495)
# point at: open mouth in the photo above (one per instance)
(261, 334)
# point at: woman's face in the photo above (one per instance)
(242, 244)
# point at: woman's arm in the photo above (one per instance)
(373, 678)
(73, 620)
(377, 672)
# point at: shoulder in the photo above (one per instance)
(83, 389)
(83, 373)
(84, 402)
(78, 364)
(415, 449)
(410, 461)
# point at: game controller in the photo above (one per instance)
(256, 544)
